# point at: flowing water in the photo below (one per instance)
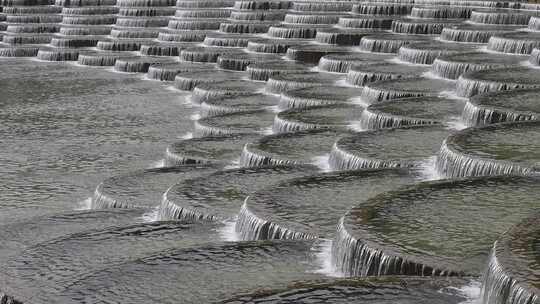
(269, 151)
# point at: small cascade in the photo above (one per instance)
(237, 104)
(223, 149)
(250, 159)
(162, 49)
(258, 15)
(18, 51)
(52, 54)
(521, 43)
(227, 40)
(468, 33)
(366, 22)
(246, 27)
(387, 148)
(420, 27)
(282, 125)
(426, 53)
(371, 120)
(317, 96)
(120, 45)
(498, 287)
(203, 13)
(240, 62)
(182, 35)
(187, 81)
(263, 71)
(274, 46)
(389, 9)
(169, 210)
(409, 112)
(453, 163)
(534, 58)
(196, 24)
(208, 91)
(313, 18)
(341, 36)
(101, 200)
(168, 71)
(481, 111)
(342, 63)
(322, 6)
(512, 272)
(388, 43)
(499, 17)
(534, 23)
(250, 227)
(262, 5)
(292, 81)
(483, 81)
(360, 75)
(255, 122)
(454, 65)
(403, 87)
(356, 258)
(205, 54)
(294, 31)
(138, 65)
(441, 12)
(342, 160)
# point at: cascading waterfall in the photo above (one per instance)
(370, 120)
(440, 12)
(494, 17)
(249, 159)
(367, 22)
(355, 257)
(499, 288)
(169, 210)
(342, 160)
(286, 31)
(453, 164)
(250, 227)
(423, 28)
(58, 54)
(101, 200)
(514, 43)
(19, 51)
(382, 9)
(474, 115)
(468, 87)
(282, 125)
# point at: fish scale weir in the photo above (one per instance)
(250, 151)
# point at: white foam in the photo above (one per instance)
(195, 116)
(274, 109)
(85, 204)
(428, 170)
(456, 123)
(396, 60)
(359, 102)
(157, 164)
(228, 231)
(323, 258)
(151, 216)
(322, 162)
(188, 135)
(471, 292)
(356, 126)
(268, 131)
(343, 83)
(235, 164)
(453, 95)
